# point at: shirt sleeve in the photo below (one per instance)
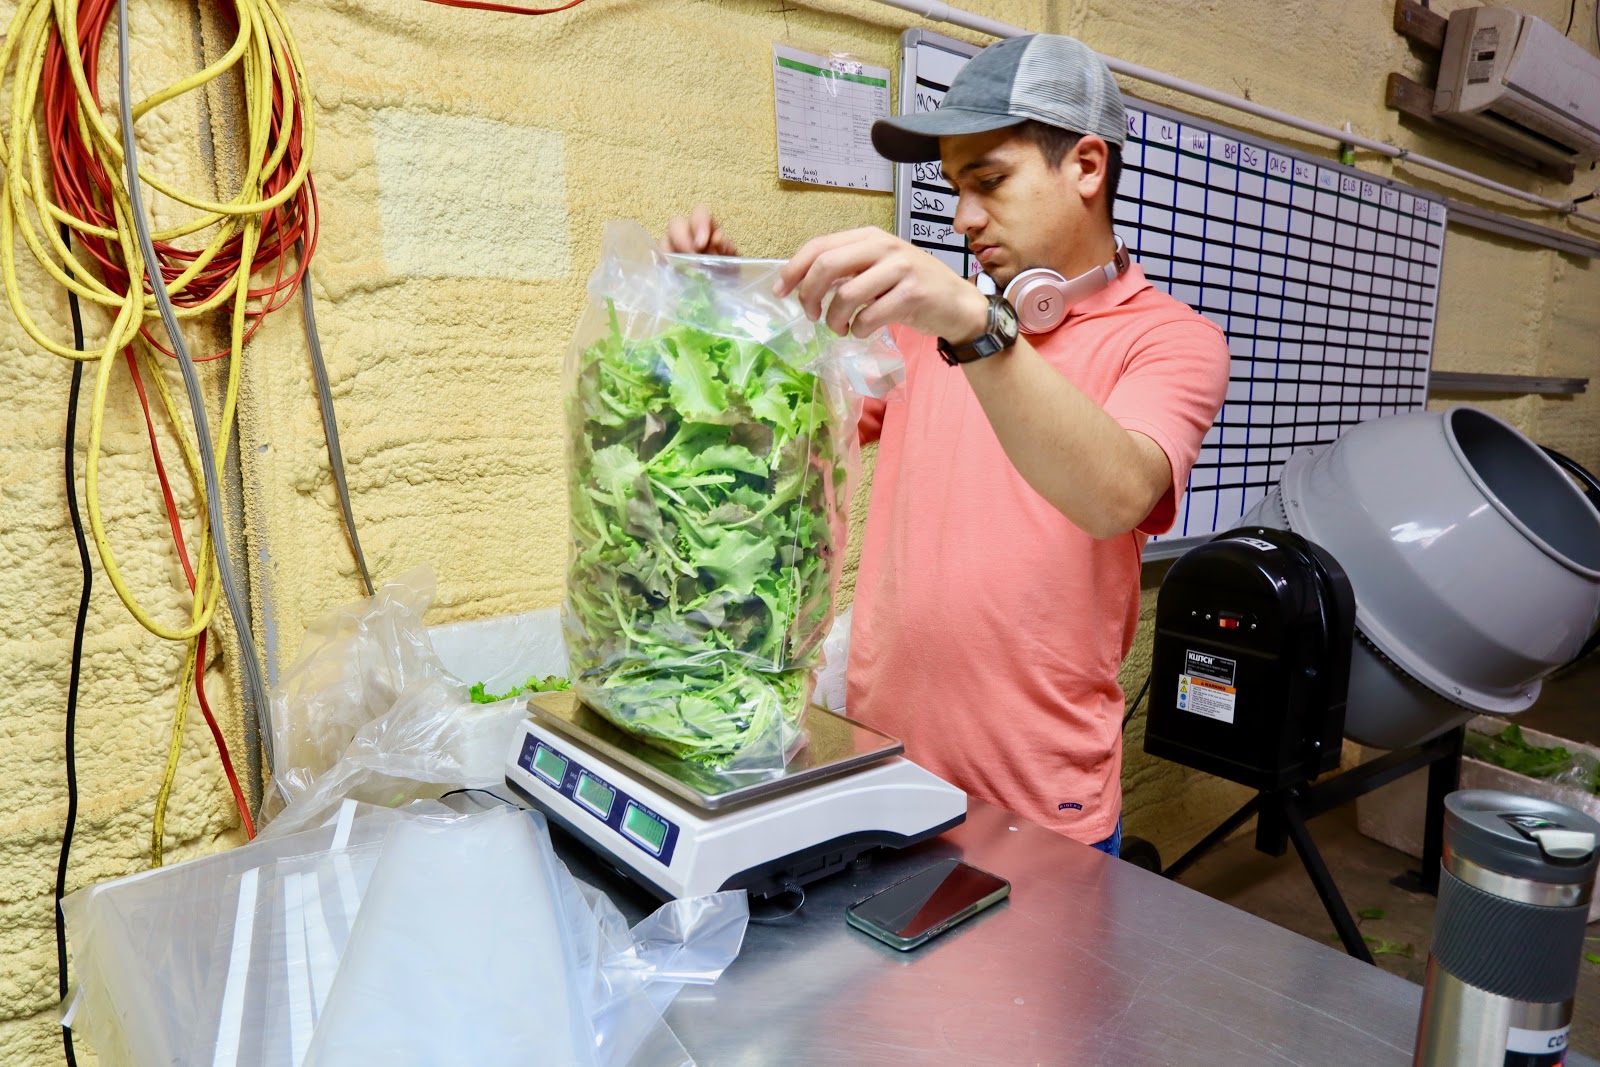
(1171, 390)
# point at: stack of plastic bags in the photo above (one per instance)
(403, 937)
(356, 931)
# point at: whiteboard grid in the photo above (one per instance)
(1325, 280)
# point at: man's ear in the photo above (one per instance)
(1089, 159)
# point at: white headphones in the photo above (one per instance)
(1042, 297)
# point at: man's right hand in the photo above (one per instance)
(697, 233)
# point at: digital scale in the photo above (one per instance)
(680, 830)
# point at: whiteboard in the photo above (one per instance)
(1324, 278)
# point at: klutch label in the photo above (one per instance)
(1206, 685)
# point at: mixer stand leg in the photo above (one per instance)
(1211, 840)
(1444, 778)
(1322, 881)
(1280, 815)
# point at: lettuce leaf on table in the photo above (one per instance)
(706, 486)
(535, 684)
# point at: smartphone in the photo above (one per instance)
(926, 904)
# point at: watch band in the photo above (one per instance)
(999, 334)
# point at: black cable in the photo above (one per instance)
(768, 920)
(1572, 13)
(1133, 707)
(474, 789)
(77, 660)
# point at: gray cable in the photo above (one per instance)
(330, 425)
(257, 737)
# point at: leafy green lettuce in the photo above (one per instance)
(1511, 750)
(535, 684)
(707, 478)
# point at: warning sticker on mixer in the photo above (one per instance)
(1206, 685)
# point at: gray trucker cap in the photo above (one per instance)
(1056, 80)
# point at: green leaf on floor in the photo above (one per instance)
(1371, 913)
(1590, 956)
(1382, 946)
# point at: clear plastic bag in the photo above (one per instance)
(158, 977)
(352, 666)
(1584, 774)
(488, 890)
(378, 937)
(368, 712)
(832, 675)
(712, 450)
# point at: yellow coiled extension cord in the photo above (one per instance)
(277, 127)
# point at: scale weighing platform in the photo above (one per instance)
(681, 831)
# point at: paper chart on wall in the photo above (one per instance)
(825, 108)
(1324, 278)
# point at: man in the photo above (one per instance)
(998, 590)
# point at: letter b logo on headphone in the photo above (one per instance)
(1042, 297)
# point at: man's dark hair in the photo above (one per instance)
(1054, 144)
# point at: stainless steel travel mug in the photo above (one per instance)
(1508, 933)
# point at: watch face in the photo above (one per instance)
(1006, 319)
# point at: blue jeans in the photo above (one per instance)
(1112, 846)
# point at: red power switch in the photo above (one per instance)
(1228, 622)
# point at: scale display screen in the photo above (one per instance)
(551, 767)
(595, 794)
(645, 828)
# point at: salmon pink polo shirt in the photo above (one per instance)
(988, 629)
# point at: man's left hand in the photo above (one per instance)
(878, 280)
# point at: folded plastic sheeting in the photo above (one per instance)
(448, 906)
(394, 936)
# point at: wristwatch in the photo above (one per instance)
(999, 335)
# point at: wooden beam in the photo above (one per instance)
(1415, 101)
(1417, 23)
(1409, 97)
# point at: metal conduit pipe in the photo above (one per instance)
(941, 12)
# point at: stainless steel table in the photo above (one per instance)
(1092, 961)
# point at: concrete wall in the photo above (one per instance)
(465, 163)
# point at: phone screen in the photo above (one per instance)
(911, 908)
